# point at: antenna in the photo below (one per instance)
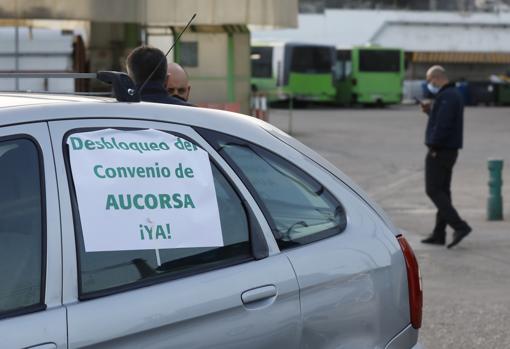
(166, 54)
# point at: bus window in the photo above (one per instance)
(379, 61)
(311, 60)
(261, 62)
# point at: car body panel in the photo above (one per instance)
(46, 326)
(405, 339)
(355, 278)
(193, 312)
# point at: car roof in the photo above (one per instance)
(20, 108)
(21, 99)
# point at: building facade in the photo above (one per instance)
(215, 50)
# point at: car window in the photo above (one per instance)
(21, 227)
(298, 207)
(104, 272)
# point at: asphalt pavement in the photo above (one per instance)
(467, 288)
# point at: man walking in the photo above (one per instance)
(444, 138)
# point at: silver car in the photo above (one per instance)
(288, 253)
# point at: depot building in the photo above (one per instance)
(215, 51)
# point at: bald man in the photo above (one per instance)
(444, 138)
(177, 83)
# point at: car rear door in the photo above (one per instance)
(244, 294)
(31, 312)
(351, 272)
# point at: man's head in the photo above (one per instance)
(141, 62)
(177, 83)
(436, 78)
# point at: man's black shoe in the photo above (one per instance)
(433, 240)
(458, 236)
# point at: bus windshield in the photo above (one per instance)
(379, 60)
(261, 62)
(311, 60)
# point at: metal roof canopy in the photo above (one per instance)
(270, 13)
(420, 36)
(418, 31)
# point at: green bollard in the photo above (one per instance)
(495, 200)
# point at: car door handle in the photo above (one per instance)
(258, 294)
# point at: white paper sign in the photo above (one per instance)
(143, 190)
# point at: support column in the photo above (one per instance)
(177, 46)
(230, 69)
(132, 35)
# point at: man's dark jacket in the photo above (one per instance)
(446, 119)
(155, 92)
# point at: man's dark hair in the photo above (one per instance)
(142, 61)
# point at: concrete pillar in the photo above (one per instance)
(242, 67)
(231, 95)
(177, 46)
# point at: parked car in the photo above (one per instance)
(141, 225)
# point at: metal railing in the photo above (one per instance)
(123, 87)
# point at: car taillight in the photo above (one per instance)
(414, 282)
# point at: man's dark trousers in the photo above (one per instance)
(438, 177)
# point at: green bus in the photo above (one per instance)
(369, 75)
(303, 72)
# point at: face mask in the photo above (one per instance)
(433, 89)
(179, 97)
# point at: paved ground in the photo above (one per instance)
(466, 289)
